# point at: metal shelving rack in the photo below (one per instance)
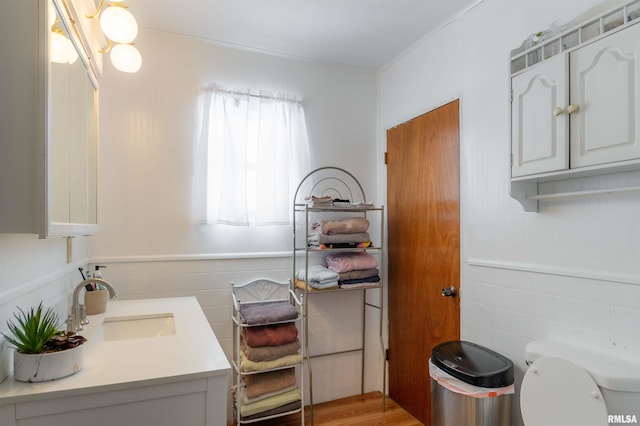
(337, 183)
(260, 291)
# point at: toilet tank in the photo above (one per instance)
(618, 379)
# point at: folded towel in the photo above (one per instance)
(267, 312)
(292, 406)
(247, 400)
(301, 285)
(284, 361)
(360, 285)
(325, 201)
(358, 237)
(266, 384)
(256, 380)
(270, 403)
(270, 335)
(360, 273)
(344, 262)
(267, 353)
(375, 279)
(349, 225)
(319, 276)
(344, 245)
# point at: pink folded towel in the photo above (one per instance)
(344, 262)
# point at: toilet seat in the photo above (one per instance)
(556, 392)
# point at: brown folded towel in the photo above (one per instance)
(270, 335)
(257, 385)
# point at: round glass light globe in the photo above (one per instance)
(126, 58)
(118, 24)
(59, 48)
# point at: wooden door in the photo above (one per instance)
(423, 198)
(604, 77)
(539, 121)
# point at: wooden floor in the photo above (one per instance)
(360, 410)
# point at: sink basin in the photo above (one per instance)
(138, 326)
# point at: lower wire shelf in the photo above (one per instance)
(287, 409)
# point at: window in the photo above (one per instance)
(253, 150)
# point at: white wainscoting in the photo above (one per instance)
(505, 305)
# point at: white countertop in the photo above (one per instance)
(192, 353)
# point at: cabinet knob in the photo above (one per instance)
(572, 108)
(557, 111)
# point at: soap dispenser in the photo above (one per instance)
(97, 273)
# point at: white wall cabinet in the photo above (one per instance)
(48, 124)
(540, 138)
(578, 109)
(575, 106)
(603, 84)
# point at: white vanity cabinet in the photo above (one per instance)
(578, 109)
(48, 122)
(148, 379)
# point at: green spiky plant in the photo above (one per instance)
(32, 330)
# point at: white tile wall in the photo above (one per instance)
(504, 309)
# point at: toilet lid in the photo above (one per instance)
(556, 392)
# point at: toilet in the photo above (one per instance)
(565, 386)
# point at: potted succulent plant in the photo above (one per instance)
(42, 351)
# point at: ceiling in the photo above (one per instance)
(363, 33)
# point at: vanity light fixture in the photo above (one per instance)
(120, 28)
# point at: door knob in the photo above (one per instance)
(449, 292)
(557, 111)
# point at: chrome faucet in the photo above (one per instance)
(78, 315)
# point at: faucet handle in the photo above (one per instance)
(70, 323)
(83, 315)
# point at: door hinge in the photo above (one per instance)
(386, 354)
(386, 158)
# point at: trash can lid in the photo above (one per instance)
(473, 364)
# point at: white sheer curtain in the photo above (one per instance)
(252, 152)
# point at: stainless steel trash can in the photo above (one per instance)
(470, 385)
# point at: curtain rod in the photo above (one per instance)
(214, 88)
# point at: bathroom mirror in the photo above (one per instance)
(72, 134)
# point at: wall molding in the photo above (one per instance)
(22, 289)
(188, 257)
(590, 274)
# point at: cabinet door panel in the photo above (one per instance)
(604, 87)
(539, 139)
